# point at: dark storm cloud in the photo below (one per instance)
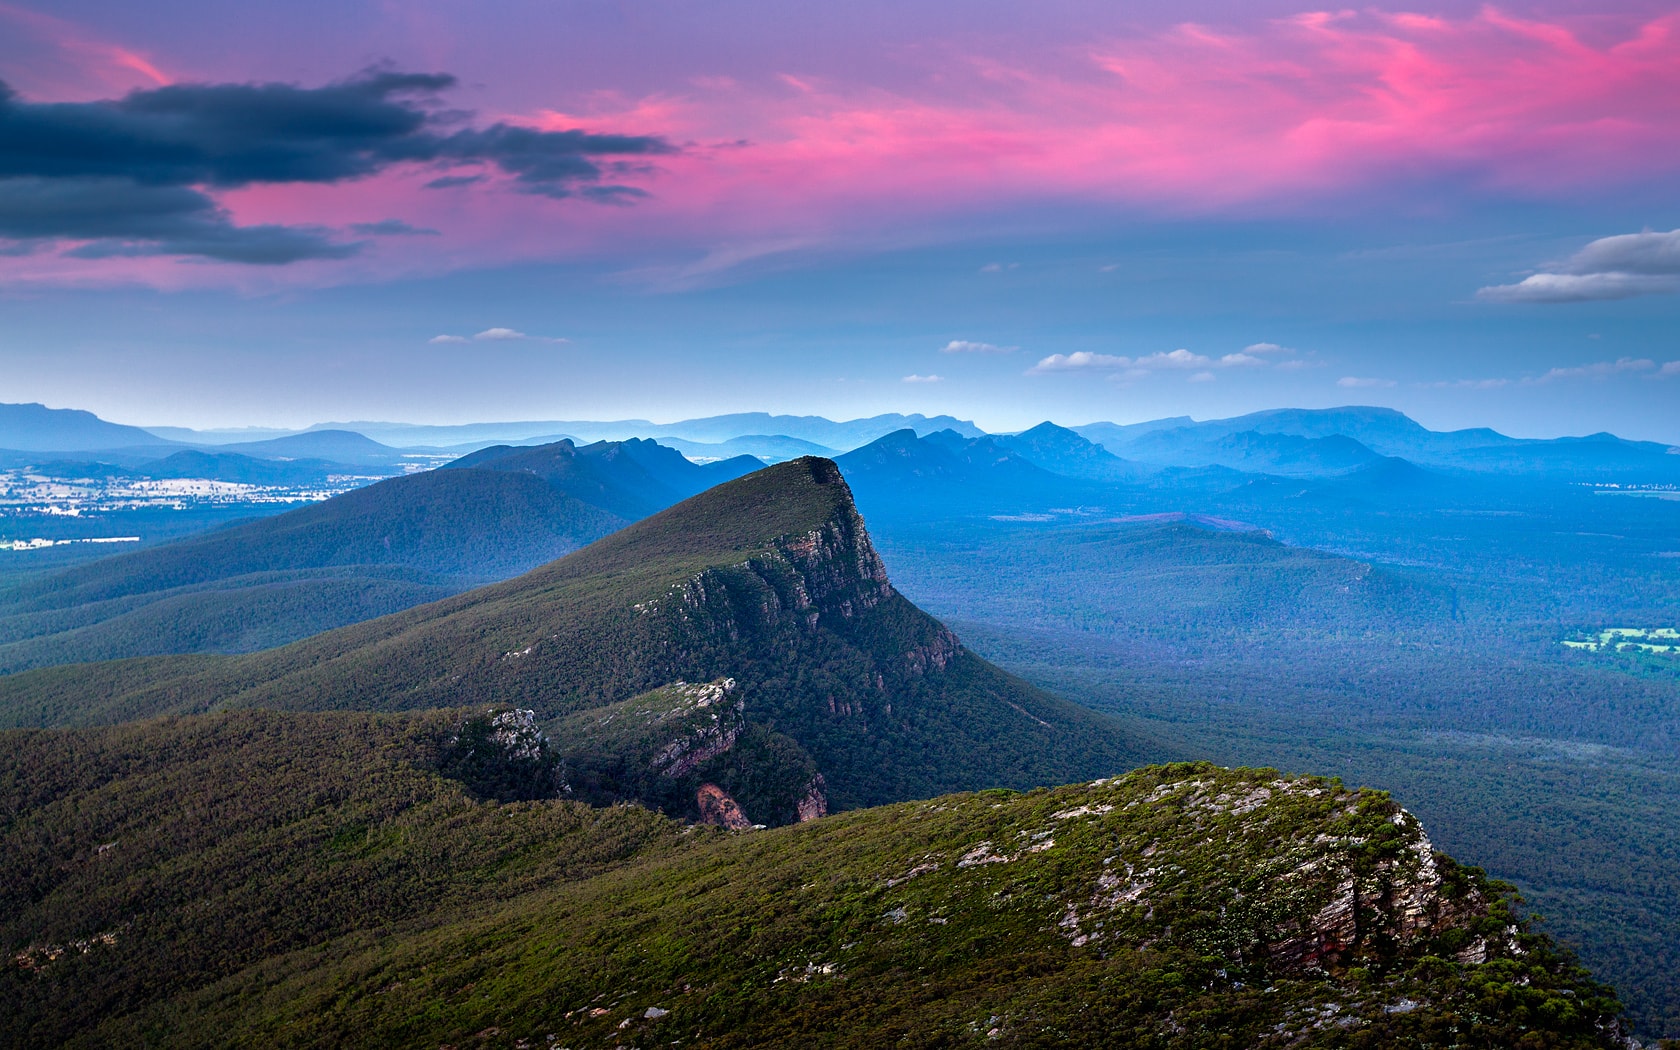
(118, 217)
(133, 175)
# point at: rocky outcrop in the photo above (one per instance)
(934, 655)
(516, 733)
(683, 747)
(831, 573)
(502, 755)
(1366, 882)
(701, 739)
(1396, 901)
(838, 567)
(716, 807)
(813, 803)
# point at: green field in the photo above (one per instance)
(1628, 640)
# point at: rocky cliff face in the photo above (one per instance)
(772, 581)
(689, 750)
(825, 579)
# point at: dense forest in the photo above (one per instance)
(1445, 683)
(328, 879)
(1392, 625)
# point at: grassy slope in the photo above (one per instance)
(407, 540)
(1549, 769)
(307, 880)
(719, 579)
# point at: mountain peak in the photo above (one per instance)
(770, 579)
(34, 427)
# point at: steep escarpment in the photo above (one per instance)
(770, 580)
(1179, 907)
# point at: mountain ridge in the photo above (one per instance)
(769, 579)
(33, 427)
(407, 540)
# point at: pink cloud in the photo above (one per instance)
(72, 61)
(1190, 120)
(1198, 118)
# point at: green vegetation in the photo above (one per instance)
(1551, 768)
(770, 580)
(360, 555)
(1628, 640)
(260, 878)
(661, 748)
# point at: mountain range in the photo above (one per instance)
(769, 579)
(412, 831)
(1285, 442)
(1162, 572)
(1339, 439)
(368, 552)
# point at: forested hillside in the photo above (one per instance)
(1180, 906)
(1444, 681)
(360, 555)
(771, 580)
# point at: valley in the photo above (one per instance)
(740, 659)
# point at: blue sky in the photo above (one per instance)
(1461, 213)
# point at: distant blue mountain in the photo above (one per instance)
(947, 475)
(342, 446)
(817, 431)
(846, 435)
(1252, 451)
(37, 428)
(771, 448)
(1352, 437)
(1062, 451)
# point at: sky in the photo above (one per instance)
(272, 214)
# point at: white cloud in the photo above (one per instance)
(1180, 359)
(1201, 377)
(1672, 368)
(999, 267)
(1079, 361)
(494, 335)
(1600, 370)
(1617, 267)
(924, 379)
(1173, 359)
(1361, 383)
(1578, 288)
(1648, 252)
(964, 346)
